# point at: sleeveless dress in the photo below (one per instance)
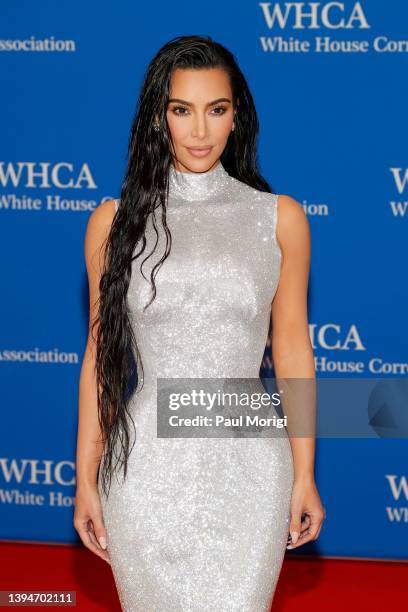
(201, 524)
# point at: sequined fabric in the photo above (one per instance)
(201, 525)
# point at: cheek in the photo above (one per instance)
(222, 129)
(177, 129)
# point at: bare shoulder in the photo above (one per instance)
(98, 228)
(100, 220)
(292, 223)
(103, 215)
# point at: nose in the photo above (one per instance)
(199, 129)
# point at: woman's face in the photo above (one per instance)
(200, 114)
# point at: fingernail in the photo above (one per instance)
(295, 536)
(102, 542)
(289, 546)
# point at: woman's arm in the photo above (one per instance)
(292, 351)
(292, 355)
(89, 445)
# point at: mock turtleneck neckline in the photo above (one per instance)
(192, 186)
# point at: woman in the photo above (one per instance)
(192, 524)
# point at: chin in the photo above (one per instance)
(198, 164)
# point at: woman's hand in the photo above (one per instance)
(305, 504)
(88, 521)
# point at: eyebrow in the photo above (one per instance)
(179, 100)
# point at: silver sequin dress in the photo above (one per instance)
(201, 525)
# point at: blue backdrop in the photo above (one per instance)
(330, 85)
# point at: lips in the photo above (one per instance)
(199, 151)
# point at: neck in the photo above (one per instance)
(197, 186)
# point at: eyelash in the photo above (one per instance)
(175, 108)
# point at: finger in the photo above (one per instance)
(295, 525)
(87, 541)
(308, 536)
(101, 553)
(303, 539)
(99, 536)
(99, 530)
(305, 524)
(319, 530)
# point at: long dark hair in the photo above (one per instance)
(144, 189)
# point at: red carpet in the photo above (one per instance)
(305, 583)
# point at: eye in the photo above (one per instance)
(177, 108)
(221, 110)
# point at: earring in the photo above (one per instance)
(233, 127)
(156, 127)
